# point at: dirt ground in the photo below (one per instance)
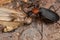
(37, 30)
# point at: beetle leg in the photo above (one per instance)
(54, 8)
(57, 9)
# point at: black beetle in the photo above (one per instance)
(47, 15)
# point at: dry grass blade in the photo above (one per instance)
(9, 26)
(9, 14)
(6, 18)
(2, 2)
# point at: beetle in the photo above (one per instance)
(47, 15)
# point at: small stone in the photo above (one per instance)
(28, 20)
(17, 34)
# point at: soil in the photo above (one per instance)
(37, 30)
